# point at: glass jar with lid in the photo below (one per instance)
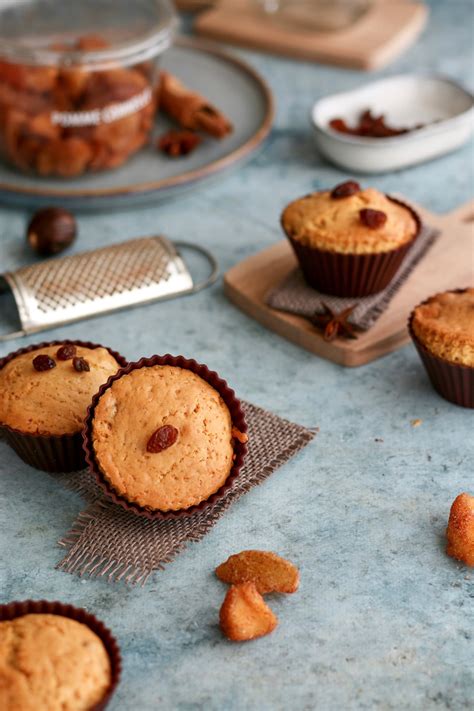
(78, 81)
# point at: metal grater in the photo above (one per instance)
(68, 289)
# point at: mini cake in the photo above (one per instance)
(51, 663)
(47, 391)
(163, 437)
(349, 241)
(445, 326)
(443, 331)
(460, 531)
(44, 395)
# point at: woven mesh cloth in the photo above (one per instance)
(109, 541)
(295, 296)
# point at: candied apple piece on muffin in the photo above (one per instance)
(268, 571)
(244, 615)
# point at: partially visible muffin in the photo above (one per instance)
(444, 324)
(163, 437)
(342, 224)
(442, 329)
(460, 531)
(350, 242)
(51, 663)
(47, 391)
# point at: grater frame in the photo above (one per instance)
(132, 273)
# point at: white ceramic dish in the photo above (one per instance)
(405, 100)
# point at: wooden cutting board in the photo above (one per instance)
(374, 40)
(449, 264)
(194, 5)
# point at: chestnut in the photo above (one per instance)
(51, 230)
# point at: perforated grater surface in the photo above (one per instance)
(68, 289)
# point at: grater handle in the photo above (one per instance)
(210, 279)
(213, 266)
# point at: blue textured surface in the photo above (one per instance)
(383, 618)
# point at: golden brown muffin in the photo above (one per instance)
(324, 222)
(162, 437)
(460, 531)
(52, 401)
(51, 663)
(445, 326)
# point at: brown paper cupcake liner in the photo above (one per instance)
(53, 453)
(12, 610)
(453, 381)
(238, 420)
(351, 275)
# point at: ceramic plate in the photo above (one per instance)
(226, 81)
(444, 107)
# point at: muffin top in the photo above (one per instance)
(445, 326)
(51, 663)
(361, 222)
(163, 437)
(36, 398)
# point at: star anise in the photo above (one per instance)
(334, 324)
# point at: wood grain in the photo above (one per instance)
(373, 41)
(449, 264)
(194, 5)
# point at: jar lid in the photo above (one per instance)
(45, 32)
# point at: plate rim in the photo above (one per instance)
(189, 177)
